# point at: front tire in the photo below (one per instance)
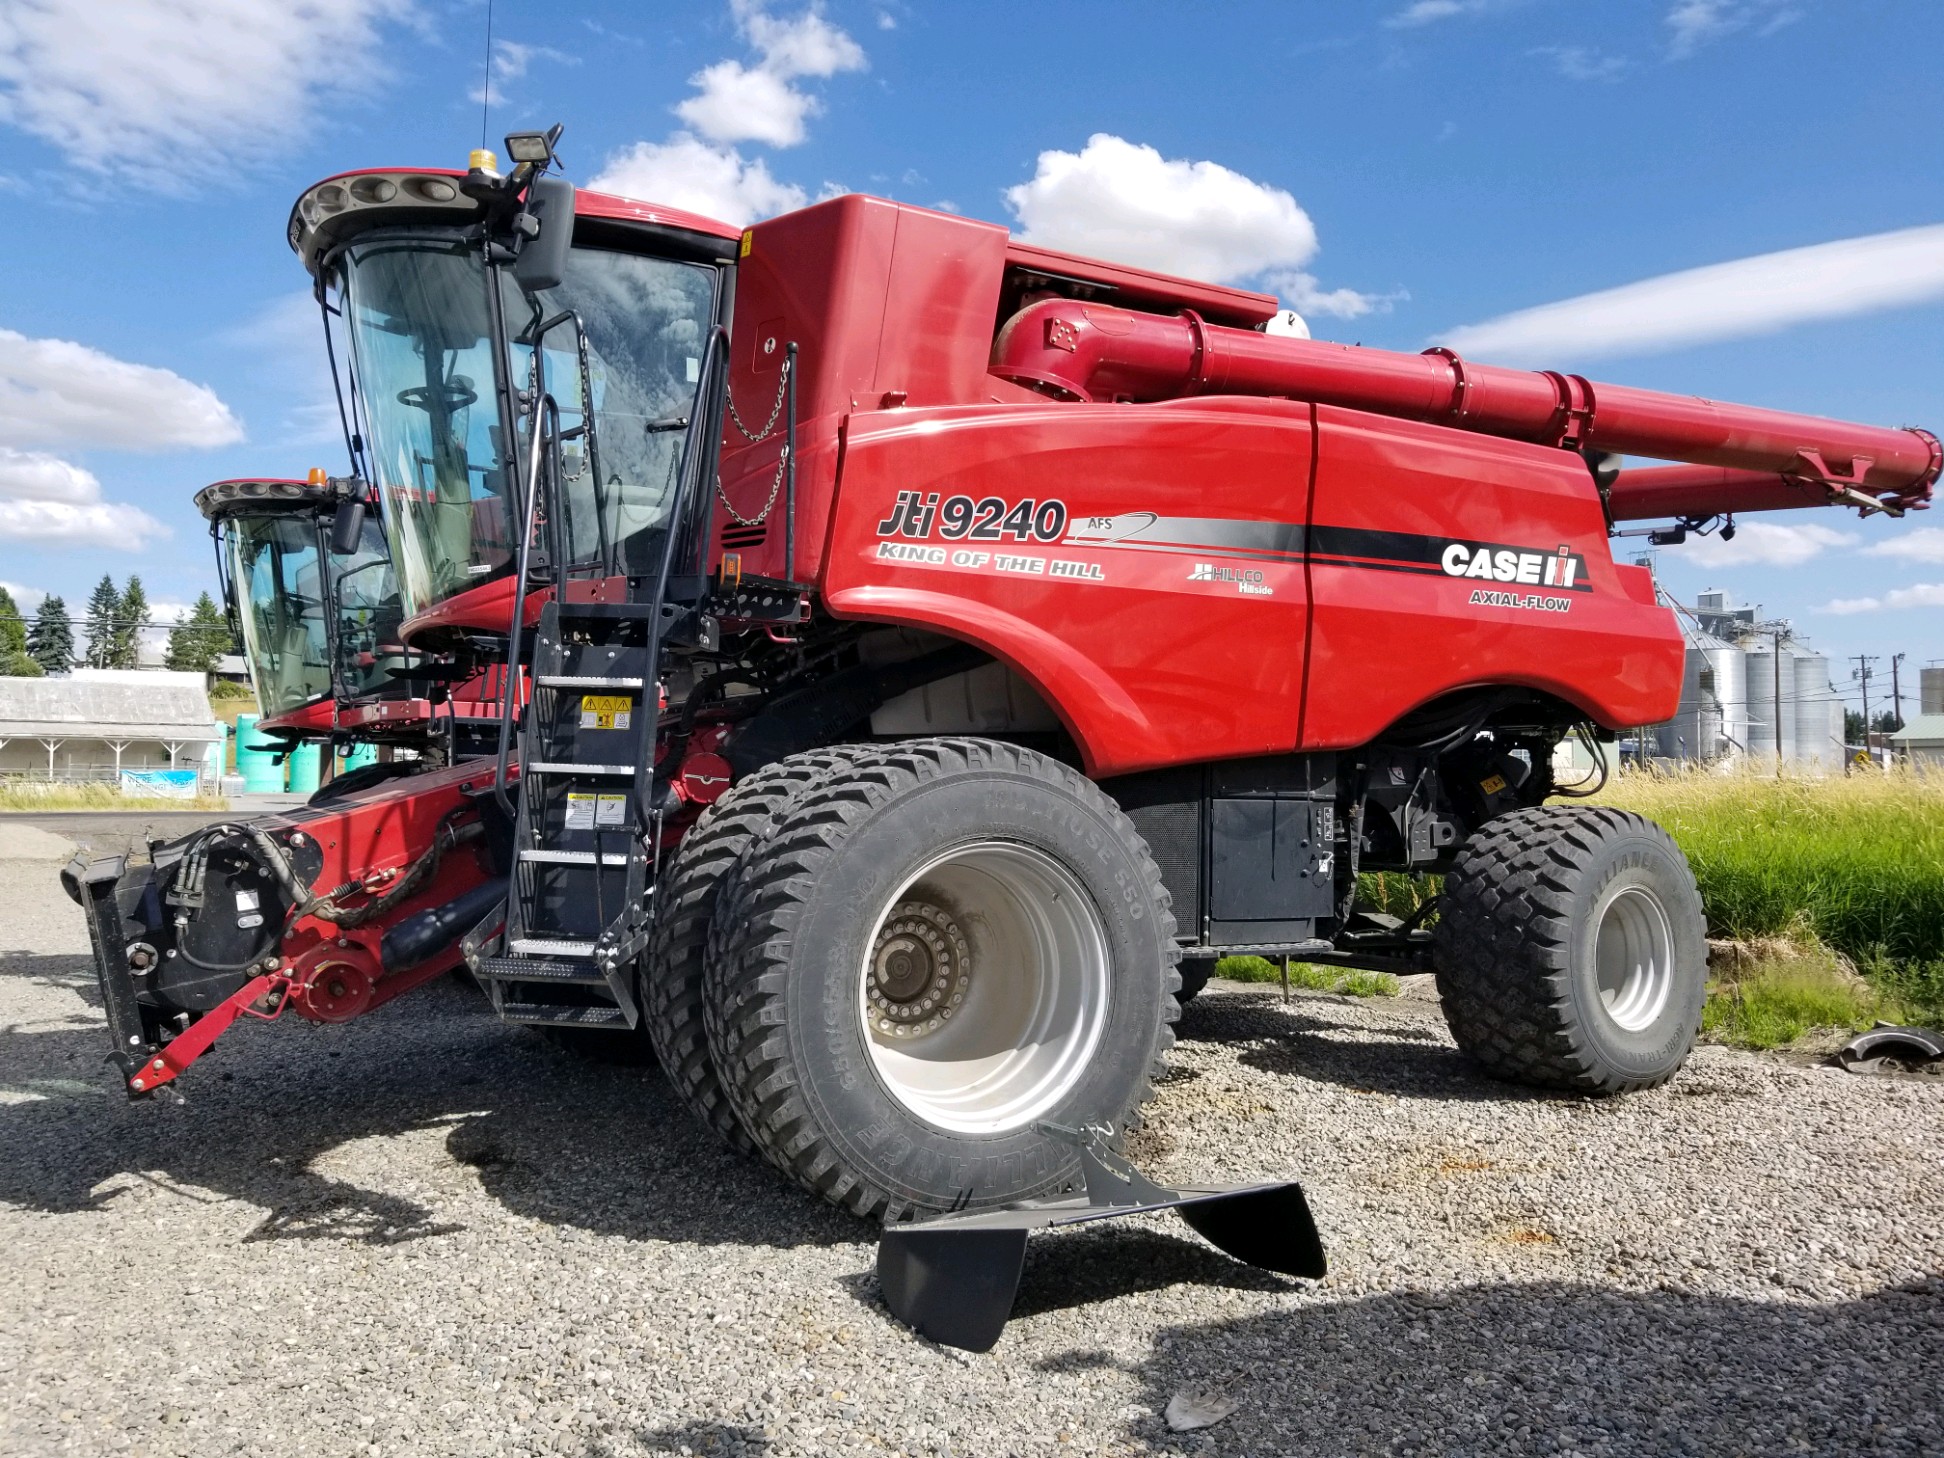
(1571, 950)
(672, 980)
(947, 946)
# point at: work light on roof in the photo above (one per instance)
(534, 147)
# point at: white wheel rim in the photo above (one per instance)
(1633, 957)
(983, 993)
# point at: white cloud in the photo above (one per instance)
(1926, 544)
(63, 524)
(1429, 12)
(56, 392)
(1583, 63)
(27, 599)
(886, 20)
(1922, 594)
(1765, 544)
(49, 502)
(700, 169)
(510, 61)
(1695, 23)
(1123, 201)
(686, 172)
(757, 103)
(746, 104)
(1748, 296)
(1302, 293)
(163, 94)
(36, 476)
(1119, 200)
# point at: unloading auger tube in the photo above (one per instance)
(1094, 352)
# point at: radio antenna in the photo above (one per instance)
(486, 91)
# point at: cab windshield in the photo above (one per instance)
(367, 612)
(276, 569)
(290, 593)
(423, 359)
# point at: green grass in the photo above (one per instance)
(1858, 859)
(1309, 976)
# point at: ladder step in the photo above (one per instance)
(561, 1016)
(539, 969)
(557, 767)
(567, 857)
(586, 680)
(550, 947)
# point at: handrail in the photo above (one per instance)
(543, 409)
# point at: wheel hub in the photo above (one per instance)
(920, 967)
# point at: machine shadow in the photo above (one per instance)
(1559, 1367)
(568, 1142)
(1296, 1041)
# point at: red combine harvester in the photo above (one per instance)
(942, 649)
(308, 585)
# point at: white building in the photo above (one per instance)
(96, 722)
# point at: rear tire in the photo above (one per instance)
(939, 878)
(672, 976)
(1571, 950)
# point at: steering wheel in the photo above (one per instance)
(454, 394)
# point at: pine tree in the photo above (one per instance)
(104, 606)
(51, 641)
(131, 616)
(14, 660)
(13, 627)
(203, 637)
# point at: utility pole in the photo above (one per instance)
(1896, 687)
(1862, 676)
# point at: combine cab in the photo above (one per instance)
(319, 620)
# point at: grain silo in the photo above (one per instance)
(1765, 713)
(1816, 745)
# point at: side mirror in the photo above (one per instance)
(347, 526)
(548, 229)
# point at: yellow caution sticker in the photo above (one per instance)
(595, 812)
(606, 711)
(1492, 784)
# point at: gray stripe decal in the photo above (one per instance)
(1222, 536)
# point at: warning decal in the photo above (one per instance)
(596, 812)
(606, 711)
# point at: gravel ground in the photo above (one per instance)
(423, 1233)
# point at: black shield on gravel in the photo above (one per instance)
(1572, 951)
(804, 927)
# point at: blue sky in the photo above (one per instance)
(1401, 172)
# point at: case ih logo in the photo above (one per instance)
(1564, 568)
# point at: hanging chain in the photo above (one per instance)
(588, 444)
(782, 387)
(756, 438)
(776, 485)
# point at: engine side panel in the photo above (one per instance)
(1404, 610)
(1141, 566)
